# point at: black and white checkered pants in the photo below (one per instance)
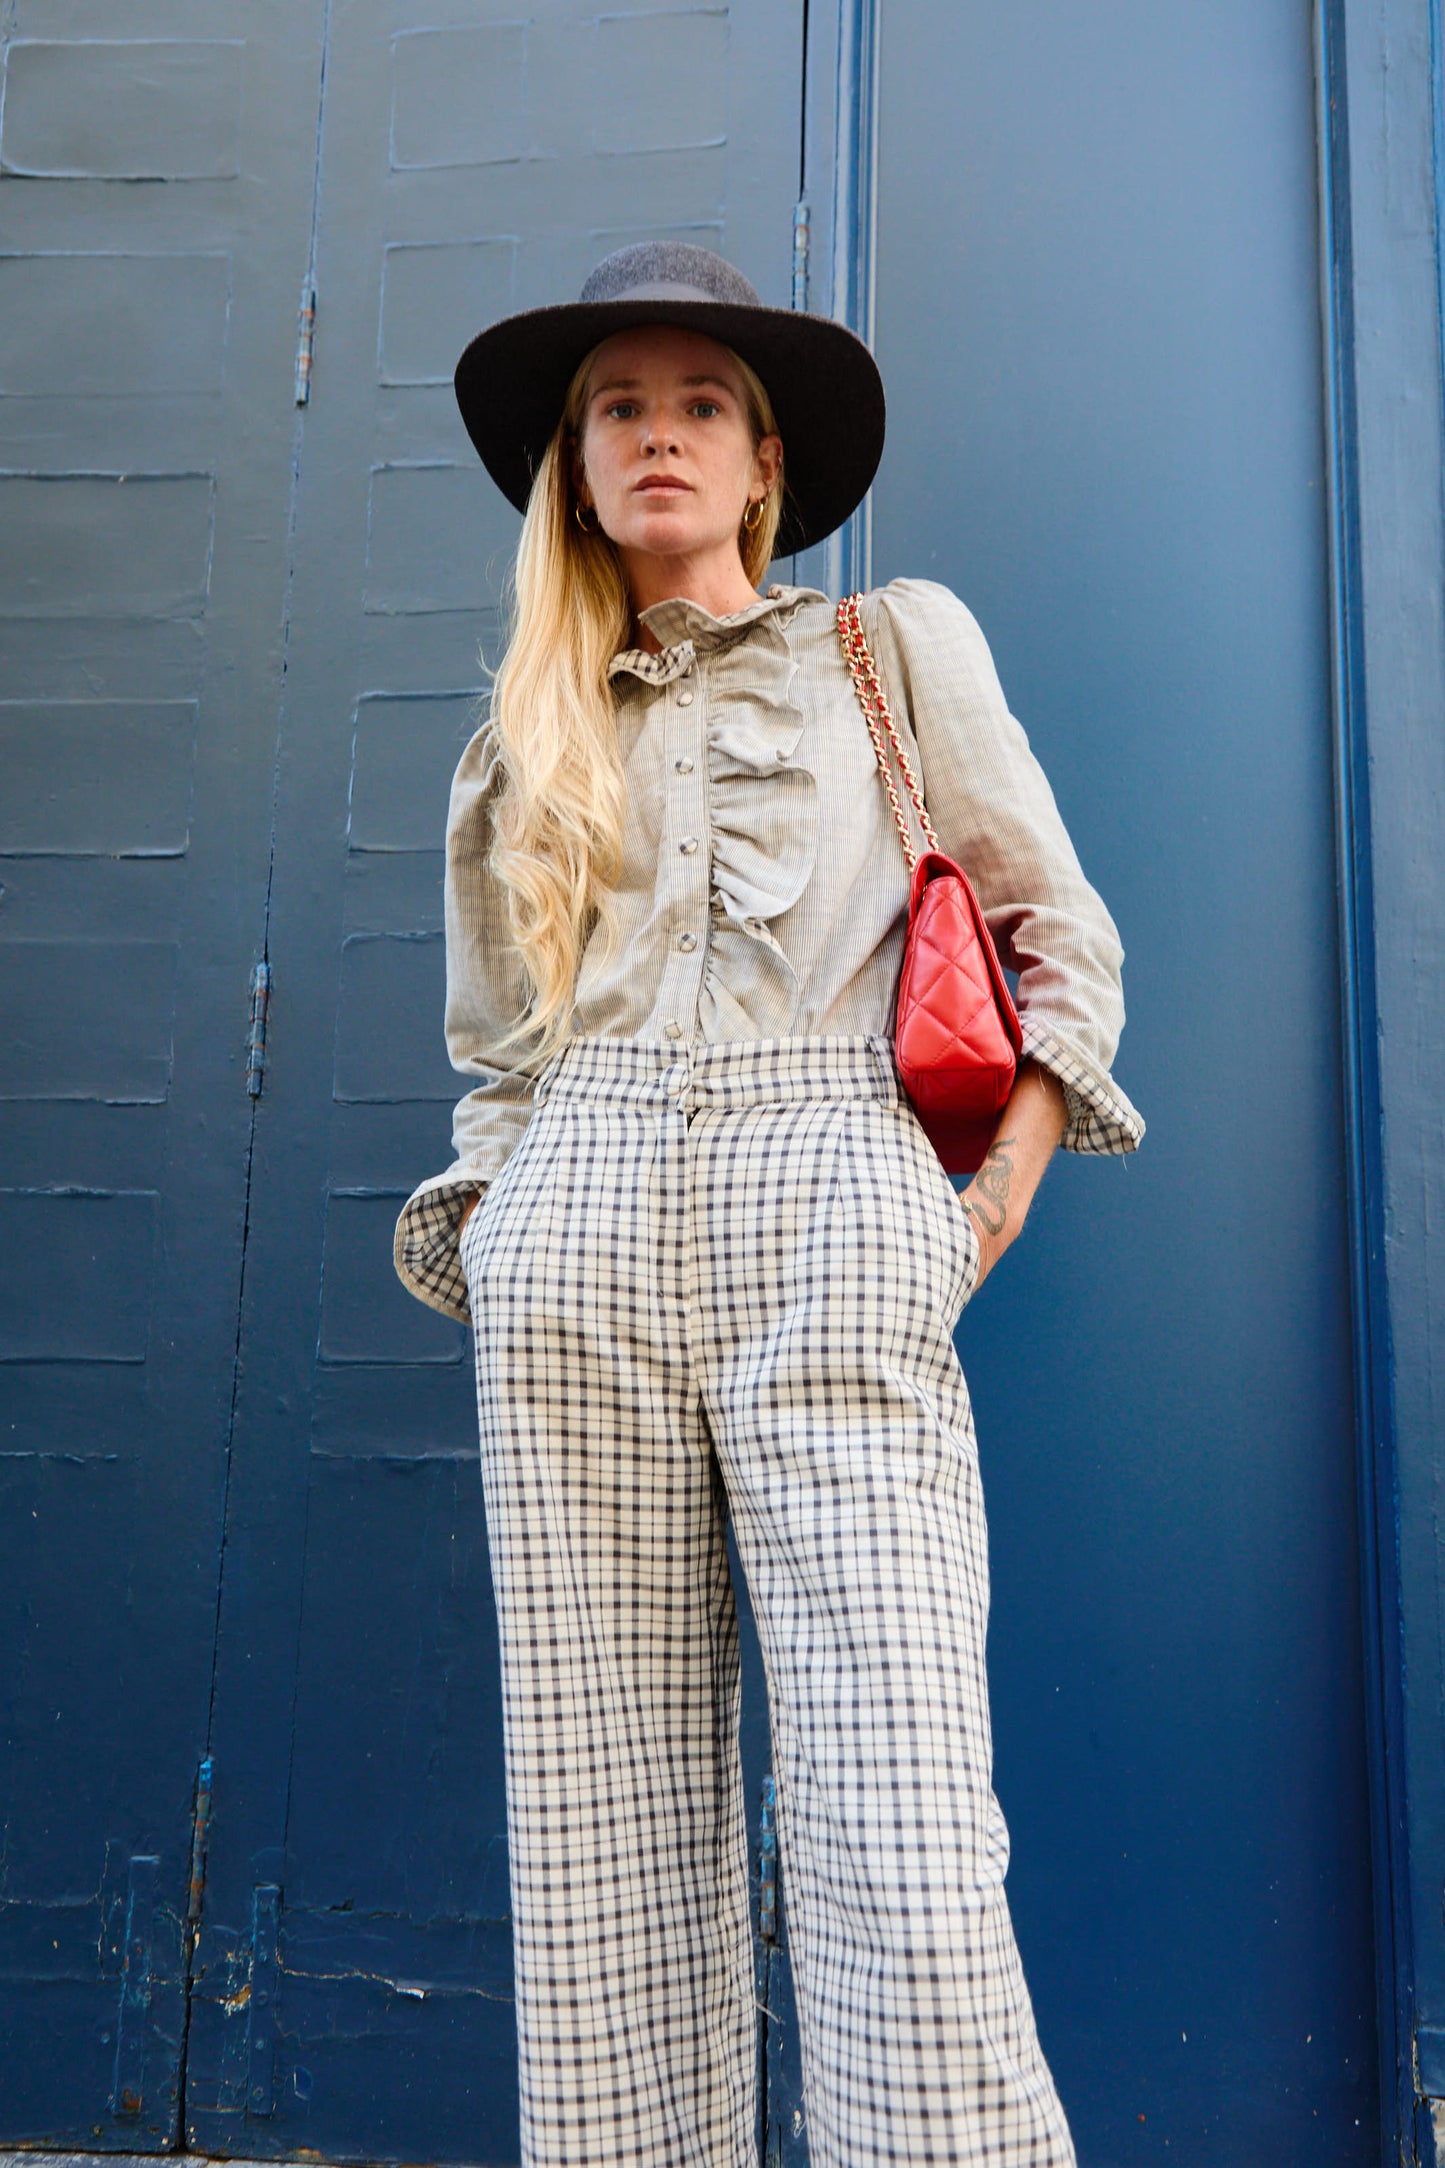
(727, 1278)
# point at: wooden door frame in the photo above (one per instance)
(1380, 135)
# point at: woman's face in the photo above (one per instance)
(665, 450)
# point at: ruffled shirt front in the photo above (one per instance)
(763, 891)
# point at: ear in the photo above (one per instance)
(578, 473)
(768, 462)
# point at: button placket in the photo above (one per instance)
(690, 855)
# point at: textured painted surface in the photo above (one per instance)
(78, 1274)
(149, 261)
(1114, 450)
(96, 778)
(105, 545)
(50, 305)
(138, 109)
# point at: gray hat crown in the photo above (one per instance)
(669, 271)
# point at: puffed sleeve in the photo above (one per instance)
(993, 810)
(486, 993)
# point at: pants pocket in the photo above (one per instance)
(958, 1220)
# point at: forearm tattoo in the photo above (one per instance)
(988, 1193)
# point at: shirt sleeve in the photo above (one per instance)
(486, 994)
(993, 810)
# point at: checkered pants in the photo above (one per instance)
(726, 1279)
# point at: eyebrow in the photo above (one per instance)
(630, 383)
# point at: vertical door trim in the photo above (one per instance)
(1437, 133)
(848, 554)
(1382, 1647)
(1380, 129)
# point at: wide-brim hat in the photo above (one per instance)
(824, 384)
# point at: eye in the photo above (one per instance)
(705, 408)
(622, 410)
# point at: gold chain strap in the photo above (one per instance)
(874, 702)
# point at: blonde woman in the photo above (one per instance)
(711, 1262)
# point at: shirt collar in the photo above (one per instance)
(686, 629)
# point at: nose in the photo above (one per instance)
(659, 435)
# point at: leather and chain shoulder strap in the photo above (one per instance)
(874, 702)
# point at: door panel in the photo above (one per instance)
(154, 220)
(1098, 323)
(465, 170)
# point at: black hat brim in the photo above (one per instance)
(824, 384)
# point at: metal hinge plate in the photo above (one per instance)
(802, 250)
(256, 1036)
(305, 341)
(768, 1864)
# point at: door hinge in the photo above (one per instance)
(256, 1036)
(802, 244)
(768, 1865)
(305, 340)
(200, 1825)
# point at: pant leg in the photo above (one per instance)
(636, 2010)
(833, 1261)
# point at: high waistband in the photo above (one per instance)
(725, 1073)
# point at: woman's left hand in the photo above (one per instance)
(998, 1198)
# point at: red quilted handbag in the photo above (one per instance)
(957, 1038)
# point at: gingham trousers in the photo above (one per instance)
(726, 1279)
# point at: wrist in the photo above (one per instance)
(991, 1231)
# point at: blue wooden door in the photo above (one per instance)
(1098, 319)
(155, 179)
(351, 1993)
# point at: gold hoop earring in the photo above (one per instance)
(753, 517)
(580, 512)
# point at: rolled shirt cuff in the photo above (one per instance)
(1100, 1119)
(426, 1249)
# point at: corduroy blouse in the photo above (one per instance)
(763, 891)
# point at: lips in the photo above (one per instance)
(660, 488)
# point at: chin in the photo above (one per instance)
(663, 534)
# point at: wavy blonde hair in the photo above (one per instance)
(558, 828)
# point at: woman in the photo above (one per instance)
(711, 1261)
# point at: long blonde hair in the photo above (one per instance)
(558, 828)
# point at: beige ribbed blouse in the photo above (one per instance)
(763, 891)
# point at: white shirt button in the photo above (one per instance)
(687, 941)
(673, 1028)
(684, 700)
(683, 767)
(687, 846)
(782, 753)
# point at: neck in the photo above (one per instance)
(715, 580)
